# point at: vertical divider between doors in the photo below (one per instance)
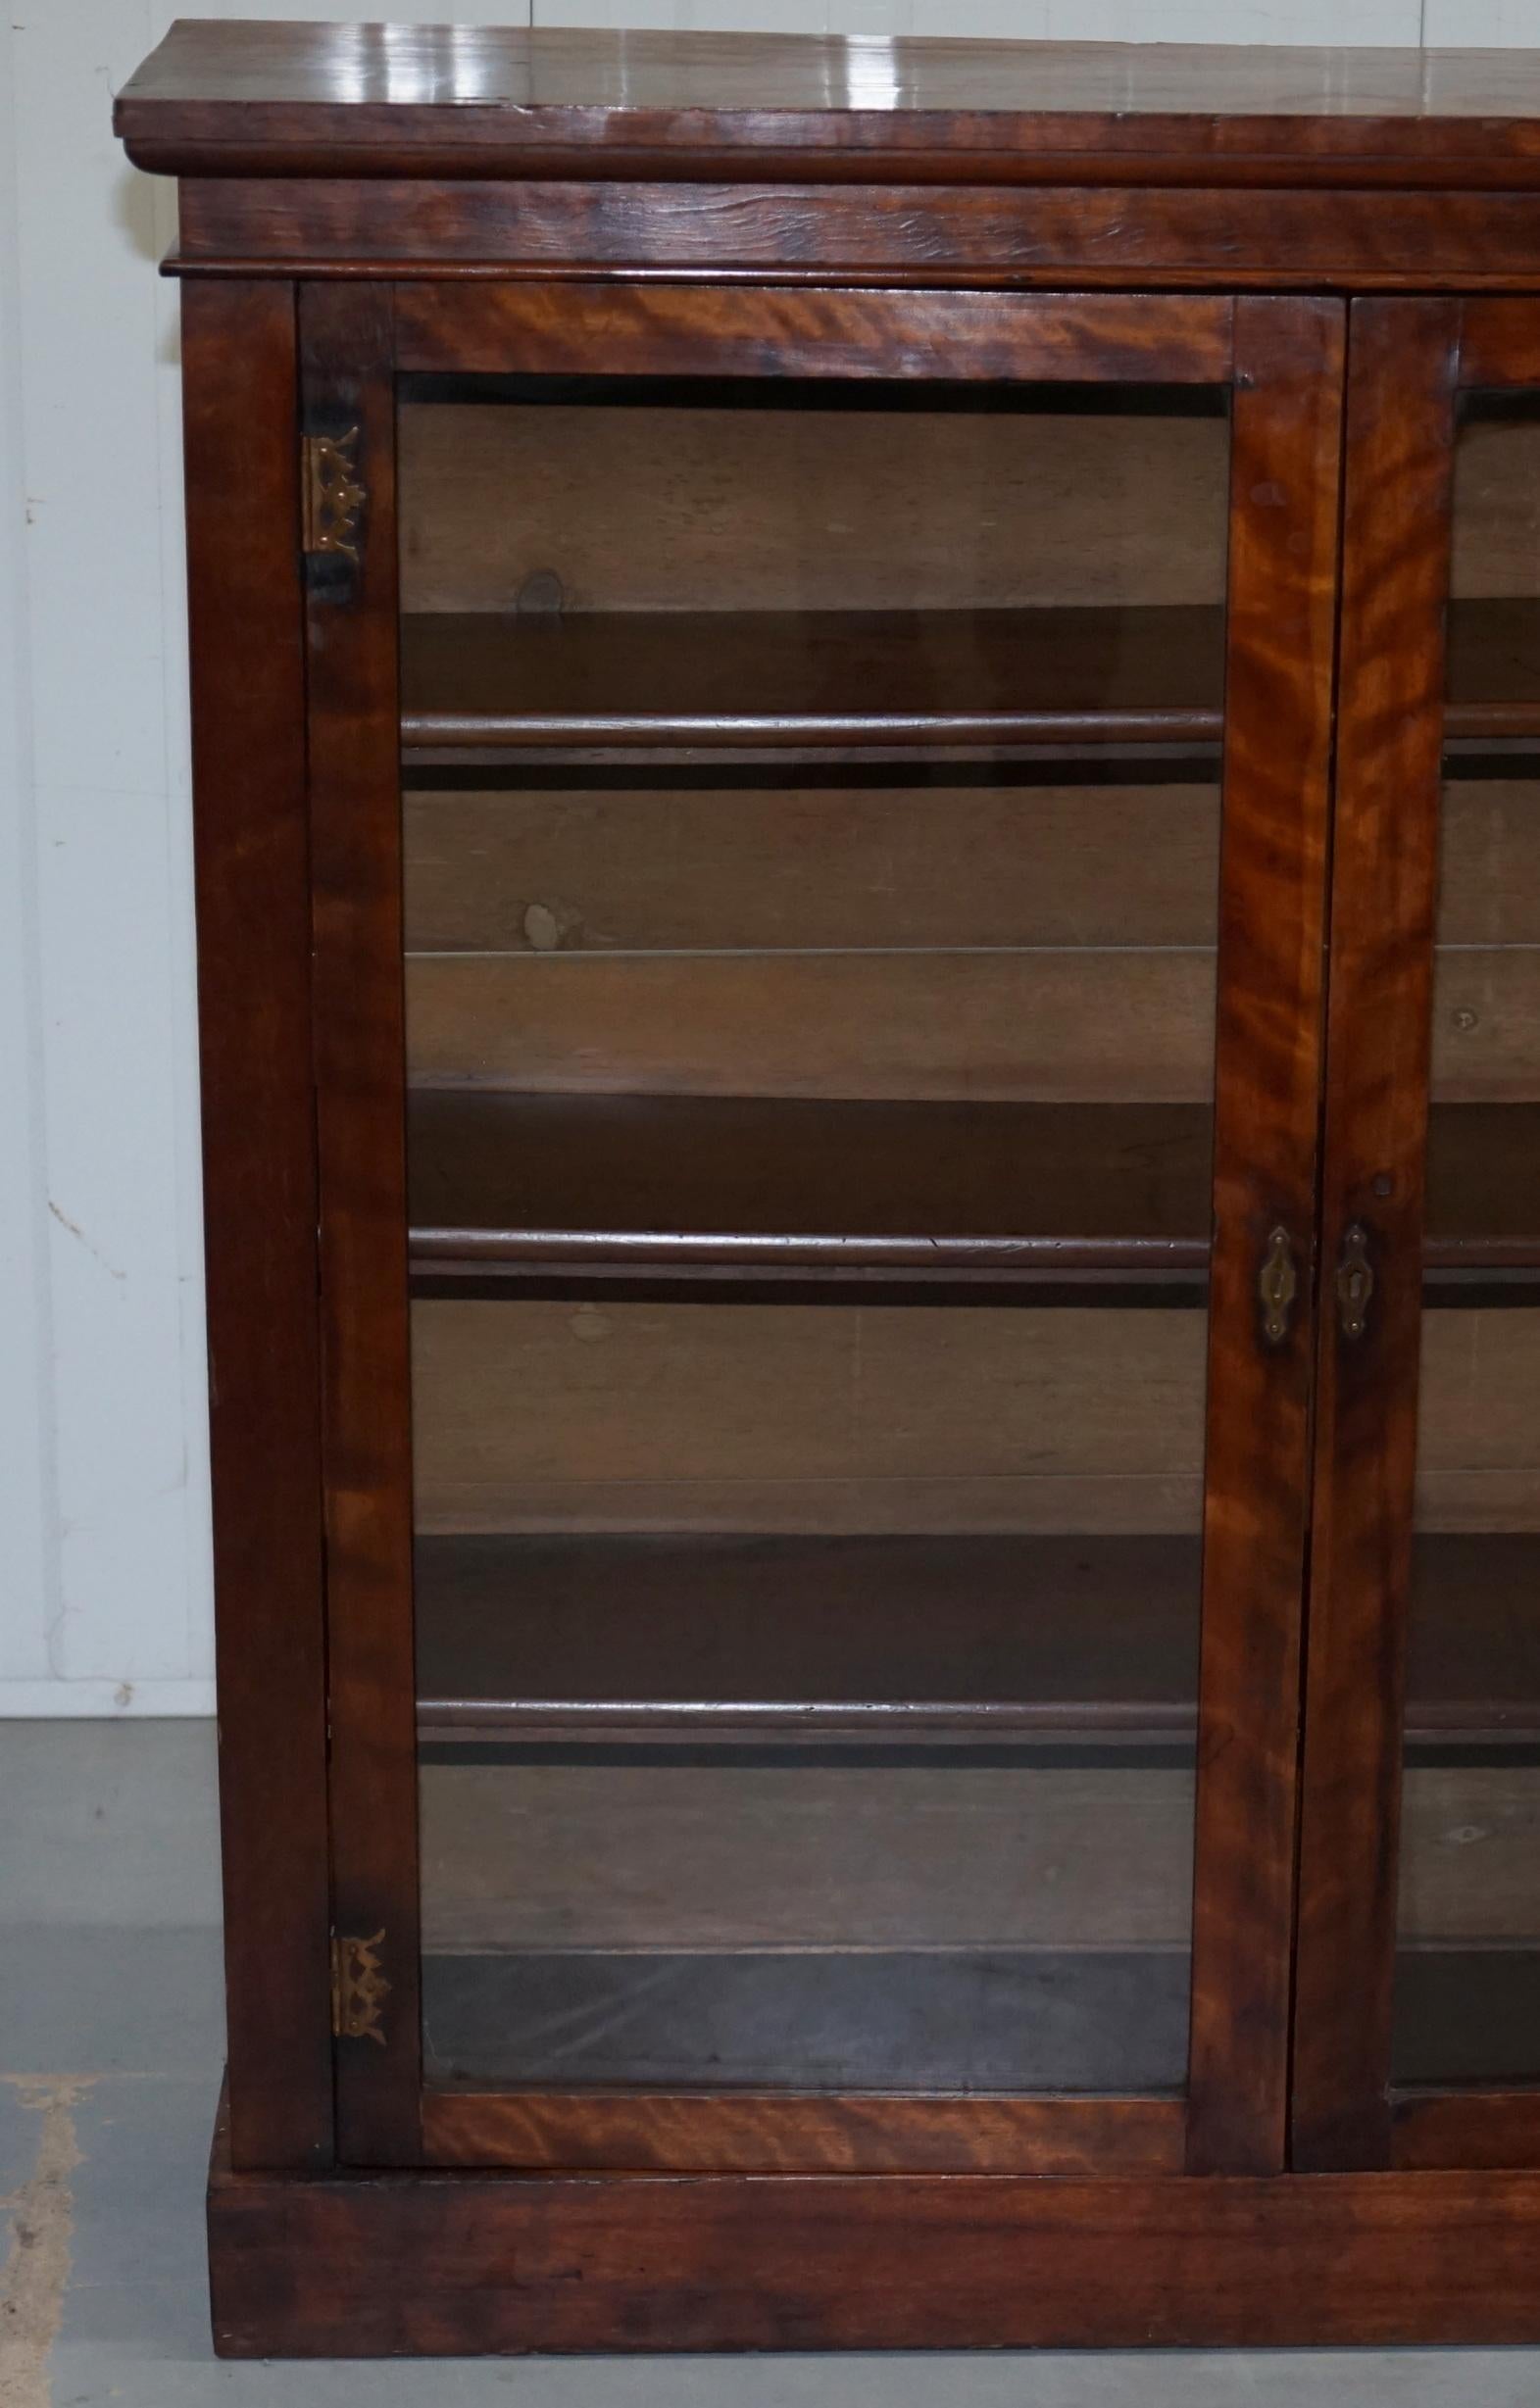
(347, 354)
(1280, 642)
(1403, 363)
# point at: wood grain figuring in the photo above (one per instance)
(816, 1417)
(259, 1167)
(1278, 711)
(1396, 573)
(355, 871)
(620, 869)
(287, 97)
(1077, 1025)
(807, 890)
(774, 2133)
(377, 2265)
(691, 506)
(933, 235)
(557, 330)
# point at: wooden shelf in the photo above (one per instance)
(965, 677)
(835, 1637)
(480, 681)
(505, 1187)
(601, 1638)
(504, 1184)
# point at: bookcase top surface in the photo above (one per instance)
(245, 98)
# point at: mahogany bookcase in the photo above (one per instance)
(867, 763)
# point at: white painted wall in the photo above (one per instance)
(104, 1554)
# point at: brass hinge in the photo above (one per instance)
(1355, 1282)
(332, 496)
(359, 1989)
(1277, 1286)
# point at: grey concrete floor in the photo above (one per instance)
(109, 2049)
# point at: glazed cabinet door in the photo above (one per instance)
(817, 834)
(1418, 2007)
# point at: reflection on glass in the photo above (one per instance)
(812, 843)
(1468, 1995)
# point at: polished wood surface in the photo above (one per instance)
(1279, 665)
(1397, 519)
(1432, 2131)
(688, 2133)
(233, 98)
(659, 331)
(376, 2266)
(678, 934)
(933, 236)
(258, 1165)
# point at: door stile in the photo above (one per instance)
(1396, 552)
(348, 408)
(1278, 758)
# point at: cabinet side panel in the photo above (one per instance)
(248, 746)
(1282, 608)
(1402, 357)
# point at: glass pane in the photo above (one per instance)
(811, 846)
(1468, 1998)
